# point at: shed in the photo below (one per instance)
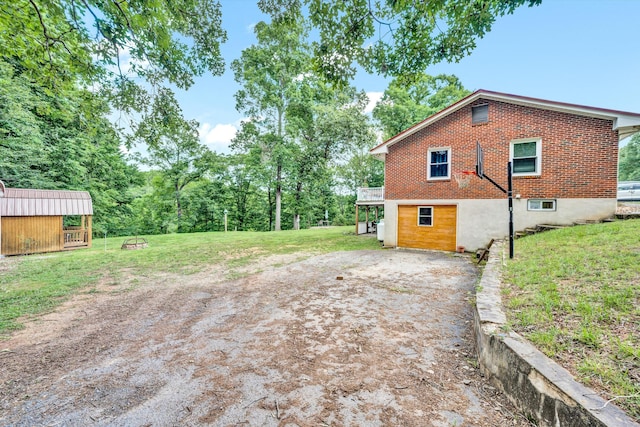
(34, 221)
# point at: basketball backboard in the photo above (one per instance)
(479, 161)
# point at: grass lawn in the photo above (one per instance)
(34, 284)
(575, 294)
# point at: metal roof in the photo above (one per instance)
(29, 202)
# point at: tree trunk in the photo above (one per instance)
(179, 206)
(270, 206)
(278, 197)
(296, 215)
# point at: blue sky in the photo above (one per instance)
(577, 51)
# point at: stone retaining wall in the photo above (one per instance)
(544, 391)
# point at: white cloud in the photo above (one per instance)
(217, 137)
(374, 97)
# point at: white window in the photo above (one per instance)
(425, 216)
(525, 155)
(541, 205)
(480, 114)
(439, 162)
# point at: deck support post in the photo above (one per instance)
(366, 219)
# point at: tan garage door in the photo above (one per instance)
(438, 229)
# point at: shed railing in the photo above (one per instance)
(75, 236)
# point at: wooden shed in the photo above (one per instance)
(34, 221)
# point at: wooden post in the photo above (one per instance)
(89, 231)
(366, 219)
(2, 191)
(356, 220)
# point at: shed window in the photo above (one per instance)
(480, 114)
(425, 216)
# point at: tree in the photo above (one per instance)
(629, 165)
(405, 104)
(23, 150)
(326, 122)
(173, 146)
(63, 140)
(65, 40)
(395, 37)
(268, 72)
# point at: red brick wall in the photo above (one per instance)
(579, 155)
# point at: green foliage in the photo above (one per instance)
(582, 301)
(173, 147)
(95, 41)
(269, 72)
(62, 140)
(327, 124)
(397, 38)
(629, 165)
(300, 127)
(32, 285)
(407, 102)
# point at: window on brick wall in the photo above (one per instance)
(480, 114)
(525, 155)
(439, 161)
(425, 216)
(541, 205)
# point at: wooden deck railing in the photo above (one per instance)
(74, 237)
(371, 194)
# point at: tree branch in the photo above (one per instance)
(44, 30)
(124, 15)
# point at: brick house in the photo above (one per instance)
(565, 161)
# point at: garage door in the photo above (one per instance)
(427, 227)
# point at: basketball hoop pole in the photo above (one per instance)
(509, 192)
(510, 197)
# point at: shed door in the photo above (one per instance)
(427, 227)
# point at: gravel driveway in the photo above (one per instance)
(367, 338)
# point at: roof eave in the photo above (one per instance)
(624, 122)
(626, 126)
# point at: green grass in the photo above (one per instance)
(575, 293)
(35, 284)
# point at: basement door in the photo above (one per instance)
(427, 227)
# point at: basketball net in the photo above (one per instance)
(463, 178)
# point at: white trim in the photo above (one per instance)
(538, 142)
(431, 216)
(439, 178)
(542, 208)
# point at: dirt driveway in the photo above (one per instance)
(368, 338)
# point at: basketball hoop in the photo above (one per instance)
(463, 178)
